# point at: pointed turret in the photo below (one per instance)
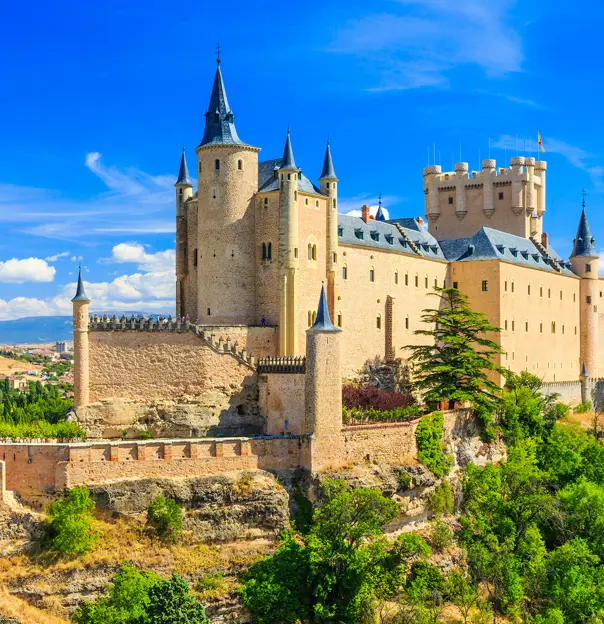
(220, 121)
(183, 172)
(584, 371)
(288, 161)
(584, 243)
(80, 293)
(328, 172)
(323, 322)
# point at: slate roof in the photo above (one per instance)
(323, 321)
(490, 244)
(583, 245)
(267, 181)
(288, 161)
(80, 293)
(183, 172)
(385, 235)
(220, 121)
(328, 170)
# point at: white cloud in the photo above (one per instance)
(63, 254)
(161, 261)
(26, 270)
(419, 48)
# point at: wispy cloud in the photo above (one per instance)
(57, 256)
(422, 43)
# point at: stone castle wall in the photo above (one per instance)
(173, 383)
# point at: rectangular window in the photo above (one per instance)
(407, 323)
(426, 282)
(500, 196)
(526, 326)
(378, 322)
(456, 285)
(406, 279)
(505, 286)
(513, 325)
(209, 314)
(344, 272)
(588, 299)
(588, 268)
(505, 325)
(340, 231)
(295, 252)
(371, 275)
(450, 200)
(485, 286)
(416, 281)
(396, 277)
(512, 286)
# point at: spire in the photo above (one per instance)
(584, 243)
(220, 121)
(80, 294)
(288, 162)
(328, 170)
(584, 371)
(183, 172)
(323, 322)
(379, 215)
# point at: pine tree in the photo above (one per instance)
(455, 365)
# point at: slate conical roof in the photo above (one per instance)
(323, 322)
(80, 294)
(379, 215)
(584, 243)
(220, 121)
(584, 371)
(328, 172)
(183, 172)
(288, 162)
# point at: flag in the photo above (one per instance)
(540, 141)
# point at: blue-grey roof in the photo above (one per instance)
(220, 121)
(80, 293)
(584, 371)
(490, 244)
(183, 172)
(269, 181)
(288, 161)
(323, 322)
(408, 223)
(386, 235)
(379, 215)
(328, 172)
(583, 245)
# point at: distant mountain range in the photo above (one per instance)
(41, 329)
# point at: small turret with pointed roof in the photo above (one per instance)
(288, 161)
(80, 293)
(183, 172)
(323, 322)
(379, 215)
(584, 243)
(328, 172)
(220, 121)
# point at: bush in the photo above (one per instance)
(370, 397)
(441, 536)
(70, 524)
(145, 435)
(41, 429)
(583, 408)
(404, 480)
(428, 437)
(165, 516)
(171, 602)
(441, 501)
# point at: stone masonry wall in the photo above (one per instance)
(281, 401)
(168, 383)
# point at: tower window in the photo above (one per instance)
(417, 281)
(299, 175)
(316, 203)
(588, 268)
(217, 164)
(295, 252)
(588, 299)
(339, 319)
(378, 321)
(526, 326)
(296, 195)
(512, 286)
(406, 322)
(513, 325)
(289, 176)
(266, 201)
(216, 118)
(328, 185)
(264, 251)
(309, 318)
(314, 252)
(371, 275)
(541, 291)
(309, 251)
(505, 325)
(340, 231)
(450, 200)
(209, 313)
(306, 202)
(406, 279)
(426, 282)
(334, 203)
(195, 258)
(529, 289)
(560, 295)
(540, 328)
(240, 165)
(180, 192)
(335, 257)
(500, 195)
(549, 293)
(574, 297)
(344, 272)
(456, 285)
(485, 285)
(396, 277)
(199, 166)
(553, 327)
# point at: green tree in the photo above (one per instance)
(171, 602)
(461, 592)
(165, 516)
(457, 362)
(428, 438)
(70, 525)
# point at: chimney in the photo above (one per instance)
(544, 239)
(365, 213)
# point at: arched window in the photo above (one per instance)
(264, 251)
(417, 281)
(306, 202)
(309, 318)
(335, 257)
(406, 279)
(372, 274)
(217, 164)
(314, 318)
(553, 327)
(334, 203)
(269, 251)
(378, 321)
(314, 252)
(240, 165)
(426, 282)
(345, 272)
(309, 251)
(216, 118)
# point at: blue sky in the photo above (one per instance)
(96, 100)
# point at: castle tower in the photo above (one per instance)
(227, 174)
(584, 262)
(323, 389)
(288, 251)
(184, 191)
(329, 187)
(81, 376)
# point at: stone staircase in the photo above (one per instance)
(404, 235)
(543, 251)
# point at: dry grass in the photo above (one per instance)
(13, 607)
(8, 366)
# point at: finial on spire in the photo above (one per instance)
(80, 293)
(380, 200)
(583, 194)
(379, 215)
(218, 50)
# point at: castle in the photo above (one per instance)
(248, 374)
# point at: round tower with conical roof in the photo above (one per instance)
(81, 368)
(584, 263)
(288, 251)
(184, 191)
(329, 187)
(227, 174)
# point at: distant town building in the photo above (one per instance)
(60, 347)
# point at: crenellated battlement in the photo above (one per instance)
(287, 364)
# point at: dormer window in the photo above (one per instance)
(524, 254)
(359, 234)
(389, 238)
(434, 248)
(299, 175)
(340, 231)
(375, 235)
(501, 249)
(514, 252)
(536, 257)
(403, 242)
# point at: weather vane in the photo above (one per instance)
(380, 199)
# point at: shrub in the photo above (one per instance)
(583, 408)
(441, 501)
(70, 524)
(165, 516)
(41, 429)
(171, 602)
(145, 435)
(441, 536)
(428, 437)
(404, 480)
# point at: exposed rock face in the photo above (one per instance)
(231, 506)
